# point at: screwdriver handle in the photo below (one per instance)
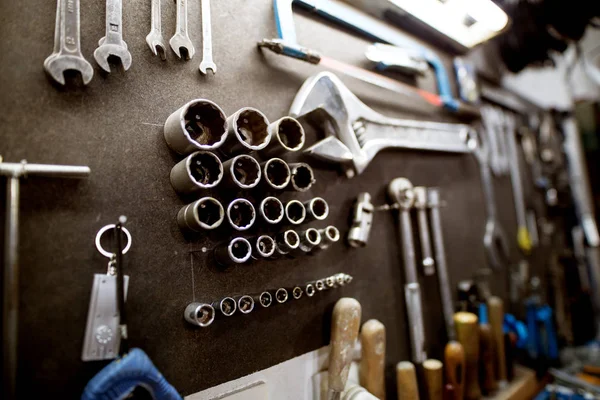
(467, 333)
(454, 359)
(372, 365)
(345, 323)
(433, 374)
(406, 378)
(496, 318)
(487, 377)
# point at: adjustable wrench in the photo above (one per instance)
(421, 206)
(67, 49)
(356, 133)
(207, 60)
(401, 192)
(181, 39)
(112, 43)
(155, 38)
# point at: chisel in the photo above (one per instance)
(496, 319)
(433, 375)
(406, 379)
(454, 359)
(372, 365)
(467, 333)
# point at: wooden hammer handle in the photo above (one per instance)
(372, 365)
(345, 323)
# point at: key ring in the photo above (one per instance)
(99, 236)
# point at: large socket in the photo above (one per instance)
(329, 236)
(317, 209)
(204, 214)
(241, 214)
(302, 177)
(242, 172)
(309, 239)
(287, 242)
(295, 212)
(199, 314)
(271, 210)
(245, 304)
(287, 135)
(227, 306)
(276, 174)
(264, 246)
(197, 125)
(247, 132)
(200, 170)
(237, 251)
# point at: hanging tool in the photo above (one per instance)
(10, 311)
(434, 379)
(112, 44)
(487, 378)
(421, 206)
(362, 219)
(406, 377)
(155, 39)
(180, 42)
(357, 133)
(496, 318)
(207, 59)
(467, 333)
(455, 362)
(372, 366)
(407, 61)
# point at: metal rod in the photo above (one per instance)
(24, 169)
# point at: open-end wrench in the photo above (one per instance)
(401, 192)
(155, 38)
(207, 59)
(66, 54)
(180, 42)
(421, 207)
(112, 43)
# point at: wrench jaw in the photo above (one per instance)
(56, 65)
(102, 54)
(157, 44)
(182, 46)
(205, 66)
(496, 245)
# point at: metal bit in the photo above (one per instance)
(112, 43)
(181, 39)
(207, 60)
(421, 206)
(362, 218)
(155, 38)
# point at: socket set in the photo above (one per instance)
(204, 314)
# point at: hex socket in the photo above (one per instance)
(197, 125)
(309, 239)
(310, 290)
(287, 242)
(199, 314)
(242, 172)
(245, 304)
(237, 251)
(241, 214)
(329, 235)
(265, 299)
(200, 170)
(276, 174)
(265, 246)
(317, 209)
(302, 177)
(281, 295)
(295, 212)
(287, 135)
(297, 292)
(204, 214)
(227, 306)
(247, 132)
(271, 209)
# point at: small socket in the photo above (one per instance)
(237, 251)
(340, 279)
(347, 279)
(310, 290)
(200, 170)
(297, 292)
(309, 239)
(303, 177)
(199, 314)
(287, 135)
(265, 299)
(247, 132)
(281, 295)
(276, 173)
(265, 246)
(295, 212)
(320, 285)
(287, 242)
(198, 125)
(242, 172)
(271, 210)
(204, 214)
(227, 306)
(317, 209)
(245, 304)
(330, 282)
(329, 235)
(241, 214)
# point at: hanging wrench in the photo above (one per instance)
(207, 60)
(155, 38)
(66, 54)
(421, 206)
(180, 42)
(112, 43)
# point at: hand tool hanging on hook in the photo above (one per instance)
(112, 44)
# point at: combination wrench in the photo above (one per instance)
(207, 59)
(66, 54)
(401, 192)
(421, 206)
(112, 44)
(180, 42)
(155, 38)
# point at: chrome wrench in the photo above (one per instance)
(66, 54)
(421, 206)
(112, 44)
(155, 38)
(181, 39)
(207, 59)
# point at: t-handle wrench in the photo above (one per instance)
(207, 60)
(401, 192)
(421, 206)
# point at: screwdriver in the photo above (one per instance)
(487, 377)
(496, 319)
(372, 365)
(433, 375)
(406, 379)
(467, 333)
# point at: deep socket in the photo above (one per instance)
(276, 174)
(200, 170)
(287, 135)
(237, 251)
(329, 235)
(199, 314)
(242, 172)
(271, 210)
(264, 246)
(287, 242)
(281, 295)
(303, 177)
(247, 132)
(310, 290)
(241, 214)
(297, 292)
(265, 299)
(226, 305)
(309, 239)
(245, 304)
(317, 209)
(204, 214)
(295, 212)
(198, 125)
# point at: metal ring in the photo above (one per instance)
(99, 236)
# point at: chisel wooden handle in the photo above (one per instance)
(487, 378)
(496, 318)
(345, 323)
(433, 374)
(454, 360)
(406, 379)
(467, 333)
(372, 365)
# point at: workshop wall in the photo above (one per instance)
(114, 125)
